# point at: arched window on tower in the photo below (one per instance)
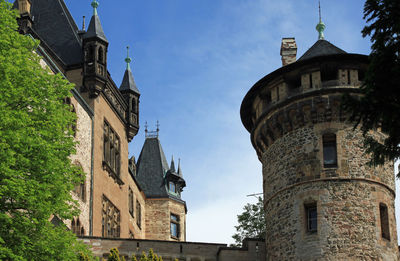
(329, 150)
(90, 53)
(134, 109)
(100, 56)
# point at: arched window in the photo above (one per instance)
(329, 150)
(76, 227)
(134, 106)
(100, 55)
(90, 53)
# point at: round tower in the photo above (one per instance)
(322, 200)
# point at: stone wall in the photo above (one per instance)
(158, 219)
(347, 198)
(253, 249)
(83, 158)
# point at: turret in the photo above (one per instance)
(322, 199)
(131, 95)
(25, 20)
(95, 47)
(174, 179)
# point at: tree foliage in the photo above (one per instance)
(151, 256)
(379, 106)
(36, 175)
(251, 222)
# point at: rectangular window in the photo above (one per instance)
(111, 219)
(130, 202)
(172, 187)
(383, 211)
(138, 214)
(174, 226)
(330, 153)
(111, 146)
(311, 217)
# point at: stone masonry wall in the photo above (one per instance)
(158, 219)
(253, 250)
(347, 198)
(83, 158)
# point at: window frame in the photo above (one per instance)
(138, 214)
(173, 186)
(175, 221)
(329, 141)
(309, 219)
(384, 220)
(131, 201)
(111, 149)
(110, 220)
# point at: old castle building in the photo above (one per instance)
(322, 201)
(120, 198)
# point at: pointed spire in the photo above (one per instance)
(128, 82)
(320, 26)
(179, 168)
(172, 168)
(95, 29)
(128, 59)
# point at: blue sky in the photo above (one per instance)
(193, 62)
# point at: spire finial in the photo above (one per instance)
(320, 26)
(158, 127)
(95, 4)
(128, 59)
(145, 128)
(83, 24)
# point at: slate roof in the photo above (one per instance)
(321, 48)
(95, 29)
(53, 23)
(128, 82)
(151, 168)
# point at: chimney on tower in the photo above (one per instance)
(288, 51)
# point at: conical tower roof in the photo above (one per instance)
(95, 29)
(128, 82)
(321, 48)
(151, 168)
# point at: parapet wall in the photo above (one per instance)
(252, 250)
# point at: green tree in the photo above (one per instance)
(251, 222)
(379, 105)
(36, 175)
(114, 255)
(151, 256)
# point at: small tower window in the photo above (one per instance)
(130, 202)
(90, 53)
(100, 55)
(174, 226)
(383, 211)
(172, 187)
(311, 217)
(330, 152)
(138, 214)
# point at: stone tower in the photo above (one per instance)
(322, 201)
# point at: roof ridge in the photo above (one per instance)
(70, 20)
